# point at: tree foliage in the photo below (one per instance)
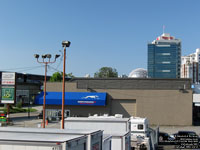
(58, 76)
(106, 72)
(69, 75)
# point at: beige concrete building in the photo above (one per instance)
(162, 101)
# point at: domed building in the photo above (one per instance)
(138, 73)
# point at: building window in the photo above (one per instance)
(163, 45)
(166, 54)
(140, 127)
(166, 70)
(166, 62)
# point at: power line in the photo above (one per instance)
(54, 69)
(30, 69)
(22, 68)
(61, 59)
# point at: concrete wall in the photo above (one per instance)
(161, 107)
(166, 107)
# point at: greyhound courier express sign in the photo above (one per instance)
(8, 88)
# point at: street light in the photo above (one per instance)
(45, 78)
(64, 44)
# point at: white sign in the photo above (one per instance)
(196, 98)
(8, 78)
(7, 102)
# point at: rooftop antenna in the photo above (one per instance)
(163, 29)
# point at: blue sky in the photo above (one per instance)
(110, 33)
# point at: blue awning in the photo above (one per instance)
(72, 98)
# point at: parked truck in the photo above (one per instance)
(94, 137)
(140, 132)
(33, 141)
(118, 128)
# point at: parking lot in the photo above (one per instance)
(25, 120)
(22, 120)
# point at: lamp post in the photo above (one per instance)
(47, 56)
(64, 44)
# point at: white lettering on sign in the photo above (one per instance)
(86, 102)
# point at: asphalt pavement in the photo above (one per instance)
(22, 120)
(30, 120)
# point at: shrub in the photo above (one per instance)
(19, 105)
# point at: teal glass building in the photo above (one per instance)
(164, 57)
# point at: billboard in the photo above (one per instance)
(8, 88)
(8, 95)
(8, 78)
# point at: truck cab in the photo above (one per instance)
(139, 132)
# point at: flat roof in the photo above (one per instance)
(97, 119)
(133, 83)
(49, 130)
(37, 137)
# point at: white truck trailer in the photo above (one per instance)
(94, 137)
(37, 141)
(106, 124)
(118, 128)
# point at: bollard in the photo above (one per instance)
(47, 122)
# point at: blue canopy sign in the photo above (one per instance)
(73, 98)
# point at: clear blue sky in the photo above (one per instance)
(110, 33)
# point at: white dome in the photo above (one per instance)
(138, 73)
(87, 76)
(198, 50)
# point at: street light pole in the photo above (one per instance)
(44, 102)
(45, 78)
(64, 44)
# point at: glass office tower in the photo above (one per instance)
(164, 57)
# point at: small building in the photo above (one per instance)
(27, 87)
(162, 101)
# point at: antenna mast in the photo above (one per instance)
(163, 29)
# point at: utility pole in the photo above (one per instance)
(64, 44)
(48, 56)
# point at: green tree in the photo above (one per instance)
(106, 72)
(57, 76)
(69, 75)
